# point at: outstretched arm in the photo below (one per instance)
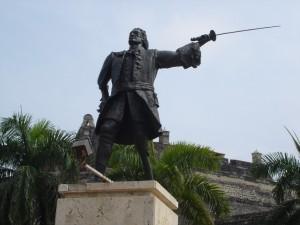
(186, 56)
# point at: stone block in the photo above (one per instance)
(118, 203)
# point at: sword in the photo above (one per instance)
(212, 36)
(238, 31)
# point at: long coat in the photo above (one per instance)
(145, 69)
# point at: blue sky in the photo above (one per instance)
(239, 100)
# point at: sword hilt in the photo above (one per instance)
(203, 39)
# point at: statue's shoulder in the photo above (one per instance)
(118, 54)
(151, 51)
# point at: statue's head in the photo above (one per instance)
(138, 36)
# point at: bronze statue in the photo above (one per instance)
(129, 114)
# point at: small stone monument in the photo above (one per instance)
(118, 203)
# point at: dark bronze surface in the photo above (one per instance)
(129, 114)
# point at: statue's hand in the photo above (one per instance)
(190, 55)
(196, 57)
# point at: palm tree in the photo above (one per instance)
(34, 158)
(284, 169)
(199, 200)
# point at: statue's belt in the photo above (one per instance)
(133, 86)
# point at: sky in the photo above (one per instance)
(238, 100)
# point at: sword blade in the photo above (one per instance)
(238, 31)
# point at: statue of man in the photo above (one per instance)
(129, 114)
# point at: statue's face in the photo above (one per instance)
(135, 37)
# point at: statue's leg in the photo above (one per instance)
(141, 144)
(107, 135)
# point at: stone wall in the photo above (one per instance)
(245, 196)
(250, 199)
(259, 218)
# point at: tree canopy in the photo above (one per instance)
(34, 159)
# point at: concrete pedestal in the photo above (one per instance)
(119, 203)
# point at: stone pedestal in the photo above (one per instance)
(119, 203)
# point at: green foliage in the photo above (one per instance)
(188, 157)
(34, 158)
(284, 169)
(125, 164)
(295, 139)
(176, 169)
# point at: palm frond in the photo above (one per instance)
(125, 163)
(283, 187)
(41, 128)
(55, 146)
(295, 138)
(210, 193)
(178, 183)
(278, 163)
(123, 153)
(39, 132)
(14, 143)
(194, 210)
(189, 157)
(170, 177)
(16, 128)
(285, 171)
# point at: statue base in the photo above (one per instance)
(118, 203)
